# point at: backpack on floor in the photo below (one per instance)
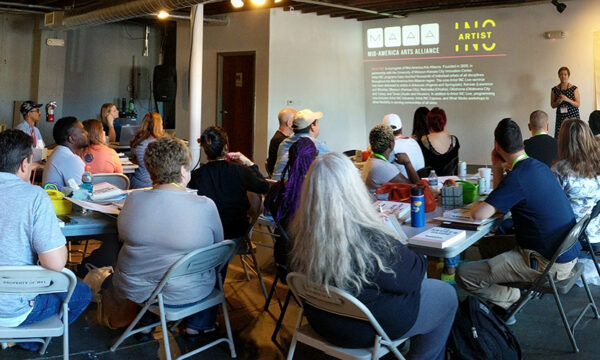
(479, 334)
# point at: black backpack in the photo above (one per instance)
(478, 334)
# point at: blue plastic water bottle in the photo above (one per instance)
(417, 206)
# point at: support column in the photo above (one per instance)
(197, 49)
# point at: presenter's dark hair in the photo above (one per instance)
(213, 141)
(564, 68)
(62, 129)
(420, 127)
(594, 122)
(15, 146)
(436, 119)
(508, 136)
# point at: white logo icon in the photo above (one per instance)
(410, 35)
(375, 38)
(430, 34)
(393, 36)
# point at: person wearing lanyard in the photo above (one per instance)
(31, 115)
(378, 170)
(286, 119)
(540, 145)
(540, 225)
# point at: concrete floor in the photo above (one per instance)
(538, 328)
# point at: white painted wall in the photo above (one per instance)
(315, 61)
(247, 31)
(525, 76)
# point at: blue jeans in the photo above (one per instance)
(437, 310)
(48, 305)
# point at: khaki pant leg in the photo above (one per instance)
(482, 278)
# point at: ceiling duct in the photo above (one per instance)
(125, 11)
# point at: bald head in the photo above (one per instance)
(286, 119)
(538, 121)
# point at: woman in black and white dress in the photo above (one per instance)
(565, 99)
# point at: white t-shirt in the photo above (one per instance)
(62, 166)
(411, 147)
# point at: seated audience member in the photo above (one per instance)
(31, 115)
(306, 124)
(98, 156)
(283, 198)
(420, 127)
(403, 144)
(440, 148)
(594, 122)
(540, 225)
(378, 170)
(226, 178)
(108, 114)
(540, 145)
(150, 130)
(30, 235)
(350, 248)
(158, 228)
(286, 119)
(578, 172)
(65, 162)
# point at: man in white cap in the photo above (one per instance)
(404, 144)
(306, 123)
(31, 115)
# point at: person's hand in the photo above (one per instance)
(497, 160)
(239, 158)
(563, 98)
(110, 120)
(402, 158)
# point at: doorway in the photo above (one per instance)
(235, 109)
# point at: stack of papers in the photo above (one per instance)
(461, 219)
(438, 237)
(106, 191)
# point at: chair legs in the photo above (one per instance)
(292, 349)
(272, 292)
(255, 269)
(280, 321)
(594, 259)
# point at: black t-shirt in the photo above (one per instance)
(226, 183)
(393, 299)
(540, 209)
(273, 149)
(543, 148)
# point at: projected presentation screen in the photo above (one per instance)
(448, 60)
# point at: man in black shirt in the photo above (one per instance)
(286, 119)
(540, 145)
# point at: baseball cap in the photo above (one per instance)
(393, 121)
(305, 117)
(29, 105)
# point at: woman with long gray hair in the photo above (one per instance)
(340, 240)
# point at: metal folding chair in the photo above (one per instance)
(338, 302)
(198, 261)
(586, 241)
(38, 280)
(119, 180)
(545, 284)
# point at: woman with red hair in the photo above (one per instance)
(440, 148)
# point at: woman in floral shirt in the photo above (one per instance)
(578, 171)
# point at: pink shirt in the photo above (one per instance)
(102, 159)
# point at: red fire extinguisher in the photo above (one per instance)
(50, 107)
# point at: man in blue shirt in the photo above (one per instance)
(306, 123)
(542, 218)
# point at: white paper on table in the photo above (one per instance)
(103, 208)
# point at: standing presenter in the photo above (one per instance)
(565, 99)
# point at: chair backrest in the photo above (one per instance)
(211, 257)
(595, 211)
(571, 238)
(332, 300)
(119, 180)
(256, 209)
(424, 172)
(36, 280)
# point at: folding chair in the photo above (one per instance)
(215, 257)
(38, 280)
(246, 249)
(545, 284)
(586, 241)
(119, 180)
(339, 302)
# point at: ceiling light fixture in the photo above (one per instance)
(163, 14)
(237, 3)
(560, 7)
(278, 1)
(259, 2)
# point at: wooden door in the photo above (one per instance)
(236, 110)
